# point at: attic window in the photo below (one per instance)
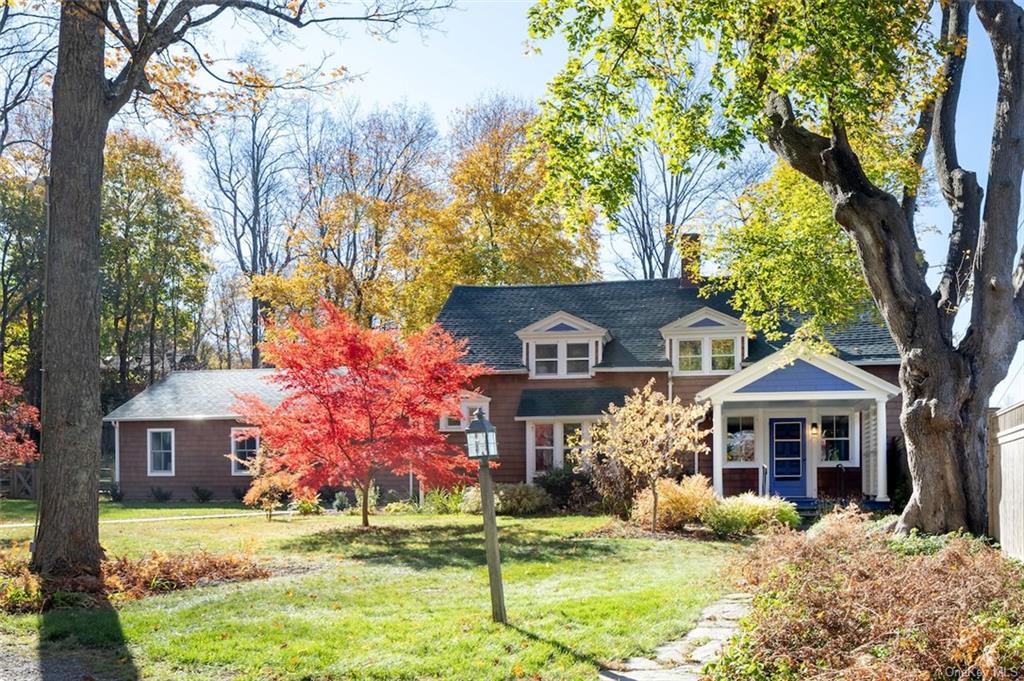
(562, 359)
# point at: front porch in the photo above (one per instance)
(803, 427)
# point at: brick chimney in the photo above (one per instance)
(689, 254)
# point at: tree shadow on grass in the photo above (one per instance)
(578, 655)
(428, 547)
(84, 643)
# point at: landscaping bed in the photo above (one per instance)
(847, 601)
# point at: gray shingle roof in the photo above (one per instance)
(632, 311)
(198, 394)
(573, 402)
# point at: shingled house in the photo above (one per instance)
(177, 434)
(802, 427)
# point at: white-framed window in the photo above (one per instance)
(690, 355)
(549, 444)
(243, 449)
(543, 447)
(160, 452)
(740, 441)
(545, 359)
(561, 359)
(836, 439)
(707, 354)
(455, 424)
(723, 354)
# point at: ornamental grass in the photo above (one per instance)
(122, 579)
(848, 601)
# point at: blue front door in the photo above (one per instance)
(788, 457)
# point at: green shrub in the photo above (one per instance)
(306, 502)
(570, 490)
(679, 503)
(748, 512)
(160, 494)
(400, 508)
(917, 544)
(509, 499)
(115, 493)
(238, 492)
(202, 494)
(341, 501)
(443, 501)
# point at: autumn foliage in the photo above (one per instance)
(360, 402)
(17, 421)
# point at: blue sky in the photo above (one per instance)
(479, 48)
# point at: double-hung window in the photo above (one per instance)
(545, 361)
(707, 355)
(577, 358)
(451, 423)
(243, 451)
(543, 447)
(562, 359)
(835, 438)
(723, 354)
(691, 355)
(160, 452)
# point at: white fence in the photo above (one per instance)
(1006, 479)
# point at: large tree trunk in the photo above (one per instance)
(67, 539)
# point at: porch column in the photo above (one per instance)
(717, 447)
(882, 469)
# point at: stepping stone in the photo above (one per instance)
(706, 652)
(710, 631)
(726, 611)
(676, 652)
(639, 664)
(679, 674)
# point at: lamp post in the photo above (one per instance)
(482, 444)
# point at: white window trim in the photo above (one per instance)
(758, 425)
(854, 461)
(705, 355)
(244, 472)
(149, 453)
(562, 358)
(466, 409)
(558, 457)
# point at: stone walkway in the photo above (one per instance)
(682, 660)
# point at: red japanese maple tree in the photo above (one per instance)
(359, 402)
(17, 421)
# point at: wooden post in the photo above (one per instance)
(491, 543)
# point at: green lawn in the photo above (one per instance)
(406, 600)
(24, 510)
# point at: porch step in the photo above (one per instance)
(804, 503)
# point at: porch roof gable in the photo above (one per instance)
(796, 375)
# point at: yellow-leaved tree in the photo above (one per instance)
(646, 438)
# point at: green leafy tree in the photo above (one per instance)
(154, 264)
(823, 83)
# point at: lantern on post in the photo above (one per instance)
(482, 444)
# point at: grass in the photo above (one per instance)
(406, 599)
(24, 510)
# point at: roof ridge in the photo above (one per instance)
(568, 284)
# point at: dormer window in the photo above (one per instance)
(706, 342)
(562, 346)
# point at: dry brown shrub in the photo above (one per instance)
(122, 579)
(839, 603)
(679, 503)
